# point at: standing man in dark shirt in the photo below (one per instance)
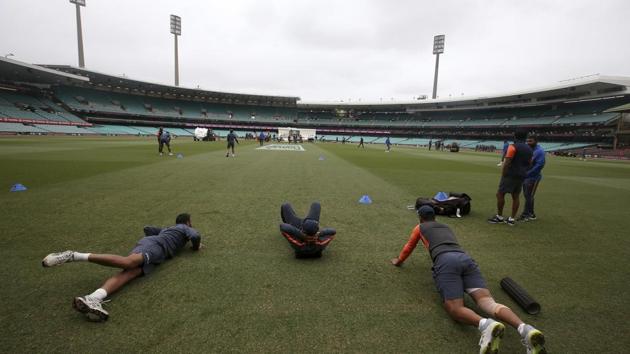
(304, 235)
(157, 246)
(231, 139)
(518, 158)
(456, 273)
(361, 143)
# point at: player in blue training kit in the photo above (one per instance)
(388, 143)
(164, 138)
(231, 139)
(533, 178)
(157, 246)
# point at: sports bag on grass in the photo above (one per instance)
(449, 204)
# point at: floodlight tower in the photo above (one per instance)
(176, 30)
(438, 48)
(78, 4)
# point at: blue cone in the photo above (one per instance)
(321, 158)
(365, 199)
(180, 156)
(441, 196)
(18, 187)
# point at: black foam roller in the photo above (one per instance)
(522, 298)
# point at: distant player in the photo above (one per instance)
(506, 145)
(456, 273)
(261, 138)
(532, 180)
(232, 138)
(388, 143)
(304, 235)
(430, 143)
(157, 246)
(518, 158)
(361, 143)
(165, 139)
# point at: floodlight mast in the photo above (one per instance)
(438, 48)
(78, 4)
(176, 30)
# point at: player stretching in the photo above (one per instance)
(454, 273)
(361, 143)
(231, 138)
(157, 246)
(304, 235)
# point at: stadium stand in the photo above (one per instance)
(66, 100)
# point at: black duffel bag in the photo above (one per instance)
(457, 204)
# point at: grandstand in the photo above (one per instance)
(55, 99)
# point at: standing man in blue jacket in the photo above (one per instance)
(388, 143)
(156, 247)
(532, 180)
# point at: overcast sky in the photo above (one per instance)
(331, 50)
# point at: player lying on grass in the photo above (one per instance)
(157, 246)
(454, 273)
(304, 235)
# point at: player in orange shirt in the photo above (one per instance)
(456, 273)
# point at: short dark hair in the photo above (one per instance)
(533, 137)
(182, 218)
(520, 135)
(427, 217)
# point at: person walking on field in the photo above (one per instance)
(361, 143)
(232, 138)
(456, 273)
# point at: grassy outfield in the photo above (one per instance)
(246, 293)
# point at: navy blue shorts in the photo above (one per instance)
(510, 185)
(454, 272)
(152, 254)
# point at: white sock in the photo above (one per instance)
(520, 329)
(77, 256)
(99, 294)
(482, 323)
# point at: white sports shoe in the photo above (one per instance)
(534, 341)
(92, 308)
(55, 259)
(170, 154)
(491, 337)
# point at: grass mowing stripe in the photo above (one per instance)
(246, 293)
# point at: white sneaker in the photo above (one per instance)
(92, 308)
(491, 337)
(55, 259)
(170, 154)
(534, 341)
(233, 155)
(161, 154)
(500, 164)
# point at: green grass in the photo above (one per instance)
(246, 293)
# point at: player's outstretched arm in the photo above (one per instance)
(411, 244)
(195, 239)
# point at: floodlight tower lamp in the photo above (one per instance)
(438, 48)
(176, 30)
(78, 4)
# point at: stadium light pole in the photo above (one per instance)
(78, 4)
(176, 30)
(438, 48)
